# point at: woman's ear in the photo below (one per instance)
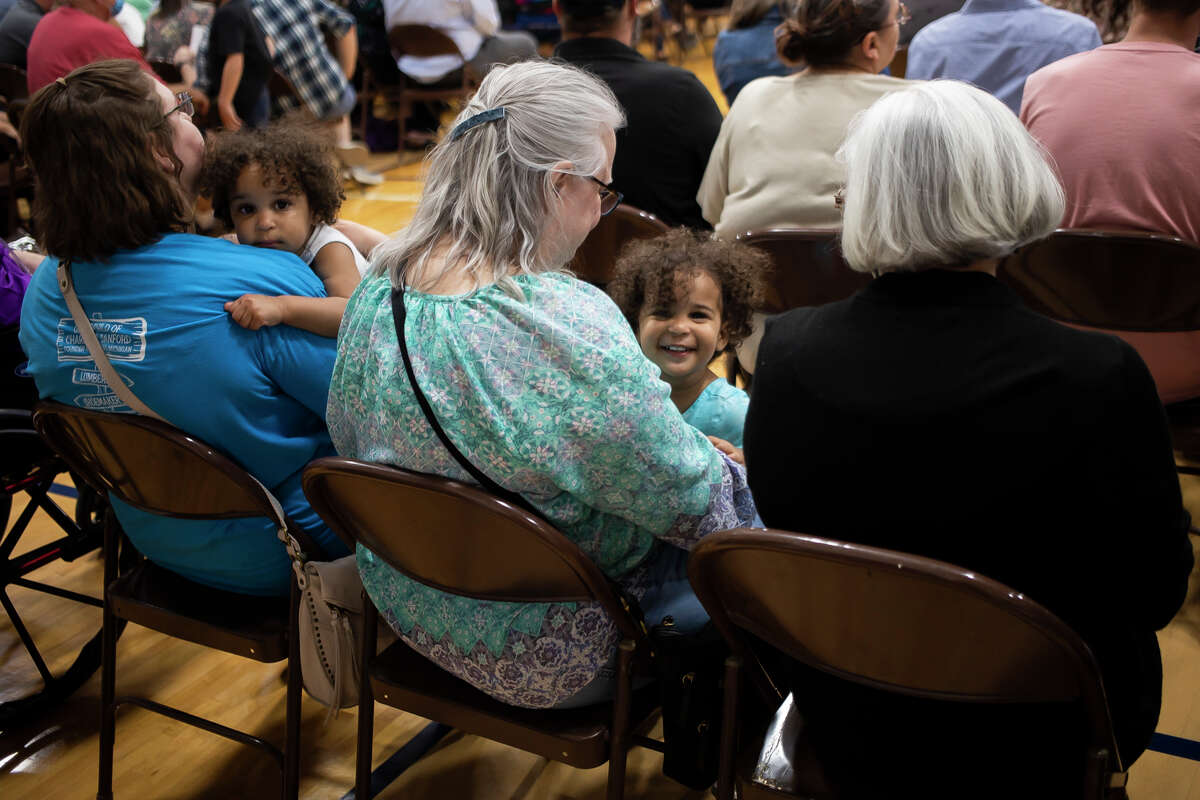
(559, 173)
(165, 161)
(870, 46)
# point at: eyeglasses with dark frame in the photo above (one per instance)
(610, 198)
(185, 105)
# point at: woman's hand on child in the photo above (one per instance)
(255, 311)
(728, 449)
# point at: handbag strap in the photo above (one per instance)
(88, 334)
(295, 548)
(399, 316)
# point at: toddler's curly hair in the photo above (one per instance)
(295, 154)
(654, 271)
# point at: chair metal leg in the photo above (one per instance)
(725, 779)
(366, 703)
(108, 665)
(619, 735)
(295, 679)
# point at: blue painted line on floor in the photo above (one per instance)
(64, 490)
(1175, 746)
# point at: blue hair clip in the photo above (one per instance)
(491, 115)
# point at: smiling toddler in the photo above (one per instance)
(689, 298)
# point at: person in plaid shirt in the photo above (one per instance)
(297, 28)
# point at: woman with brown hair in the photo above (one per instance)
(115, 156)
(773, 164)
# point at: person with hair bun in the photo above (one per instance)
(773, 164)
(933, 413)
(537, 379)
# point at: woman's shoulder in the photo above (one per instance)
(762, 91)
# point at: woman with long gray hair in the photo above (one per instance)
(537, 379)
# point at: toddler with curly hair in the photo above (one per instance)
(689, 298)
(280, 187)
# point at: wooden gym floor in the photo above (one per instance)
(55, 759)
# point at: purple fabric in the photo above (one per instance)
(13, 282)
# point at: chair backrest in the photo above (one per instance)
(421, 41)
(151, 465)
(596, 257)
(893, 621)
(455, 537)
(1119, 280)
(808, 267)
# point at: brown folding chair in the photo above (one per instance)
(160, 469)
(895, 622)
(421, 41)
(596, 257)
(808, 270)
(526, 560)
(1117, 281)
(808, 267)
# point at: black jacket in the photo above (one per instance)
(933, 413)
(671, 124)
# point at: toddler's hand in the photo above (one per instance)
(253, 311)
(728, 449)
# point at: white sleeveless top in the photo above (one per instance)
(324, 234)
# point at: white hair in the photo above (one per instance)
(488, 194)
(943, 174)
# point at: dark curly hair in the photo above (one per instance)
(821, 32)
(653, 271)
(294, 152)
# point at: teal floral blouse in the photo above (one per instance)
(551, 397)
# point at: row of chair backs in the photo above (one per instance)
(1119, 280)
(596, 258)
(885, 619)
(150, 465)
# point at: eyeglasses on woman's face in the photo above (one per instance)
(610, 198)
(185, 105)
(902, 15)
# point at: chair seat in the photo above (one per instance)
(245, 625)
(405, 679)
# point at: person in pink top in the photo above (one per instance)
(1122, 123)
(76, 33)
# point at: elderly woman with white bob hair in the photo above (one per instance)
(537, 379)
(933, 413)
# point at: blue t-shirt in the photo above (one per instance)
(258, 396)
(719, 411)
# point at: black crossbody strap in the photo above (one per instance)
(399, 316)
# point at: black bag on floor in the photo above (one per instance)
(690, 671)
